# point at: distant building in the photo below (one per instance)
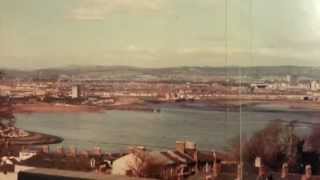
(76, 91)
(256, 86)
(288, 78)
(314, 86)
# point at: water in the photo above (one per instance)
(116, 130)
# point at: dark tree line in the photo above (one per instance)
(6, 110)
(2, 74)
(6, 113)
(278, 143)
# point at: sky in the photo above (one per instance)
(159, 33)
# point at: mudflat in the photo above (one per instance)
(46, 107)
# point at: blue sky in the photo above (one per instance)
(158, 33)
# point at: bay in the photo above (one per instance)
(116, 130)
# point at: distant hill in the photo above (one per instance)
(162, 74)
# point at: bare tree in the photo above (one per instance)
(144, 165)
(6, 114)
(314, 138)
(272, 144)
(2, 74)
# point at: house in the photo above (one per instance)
(25, 155)
(164, 164)
(136, 162)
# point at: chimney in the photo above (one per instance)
(284, 171)
(190, 145)
(180, 146)
(97, 151)
(308, 171)
(217, 167)
(239, 171)
(73, 151)
(192, 149)
(263, 172)
(195, 158)
(45, 149)
(60, 150)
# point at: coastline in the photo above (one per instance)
(53, 108)
(210, 105)
(35, 138)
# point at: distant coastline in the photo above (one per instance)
(54, 108)
(169, 74)
(214, 105)
(35, 138)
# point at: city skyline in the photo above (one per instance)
(158, 33)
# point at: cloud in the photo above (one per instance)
(133, 52)
(243, 55)
(135, 49)
(288, 53)
(219, 50)
(100, 9)
(195, 52)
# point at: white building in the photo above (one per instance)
(24, 155)
(314, 86)
(75, 92)
(133, 161)
(124, 164)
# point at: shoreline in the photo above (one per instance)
(54, 108)
(210, 105)
(36, 138)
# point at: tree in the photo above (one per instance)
(313, 139)
(6, 121)
(6, 114)
(310, 150)
(2, 75)
(273, 145)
